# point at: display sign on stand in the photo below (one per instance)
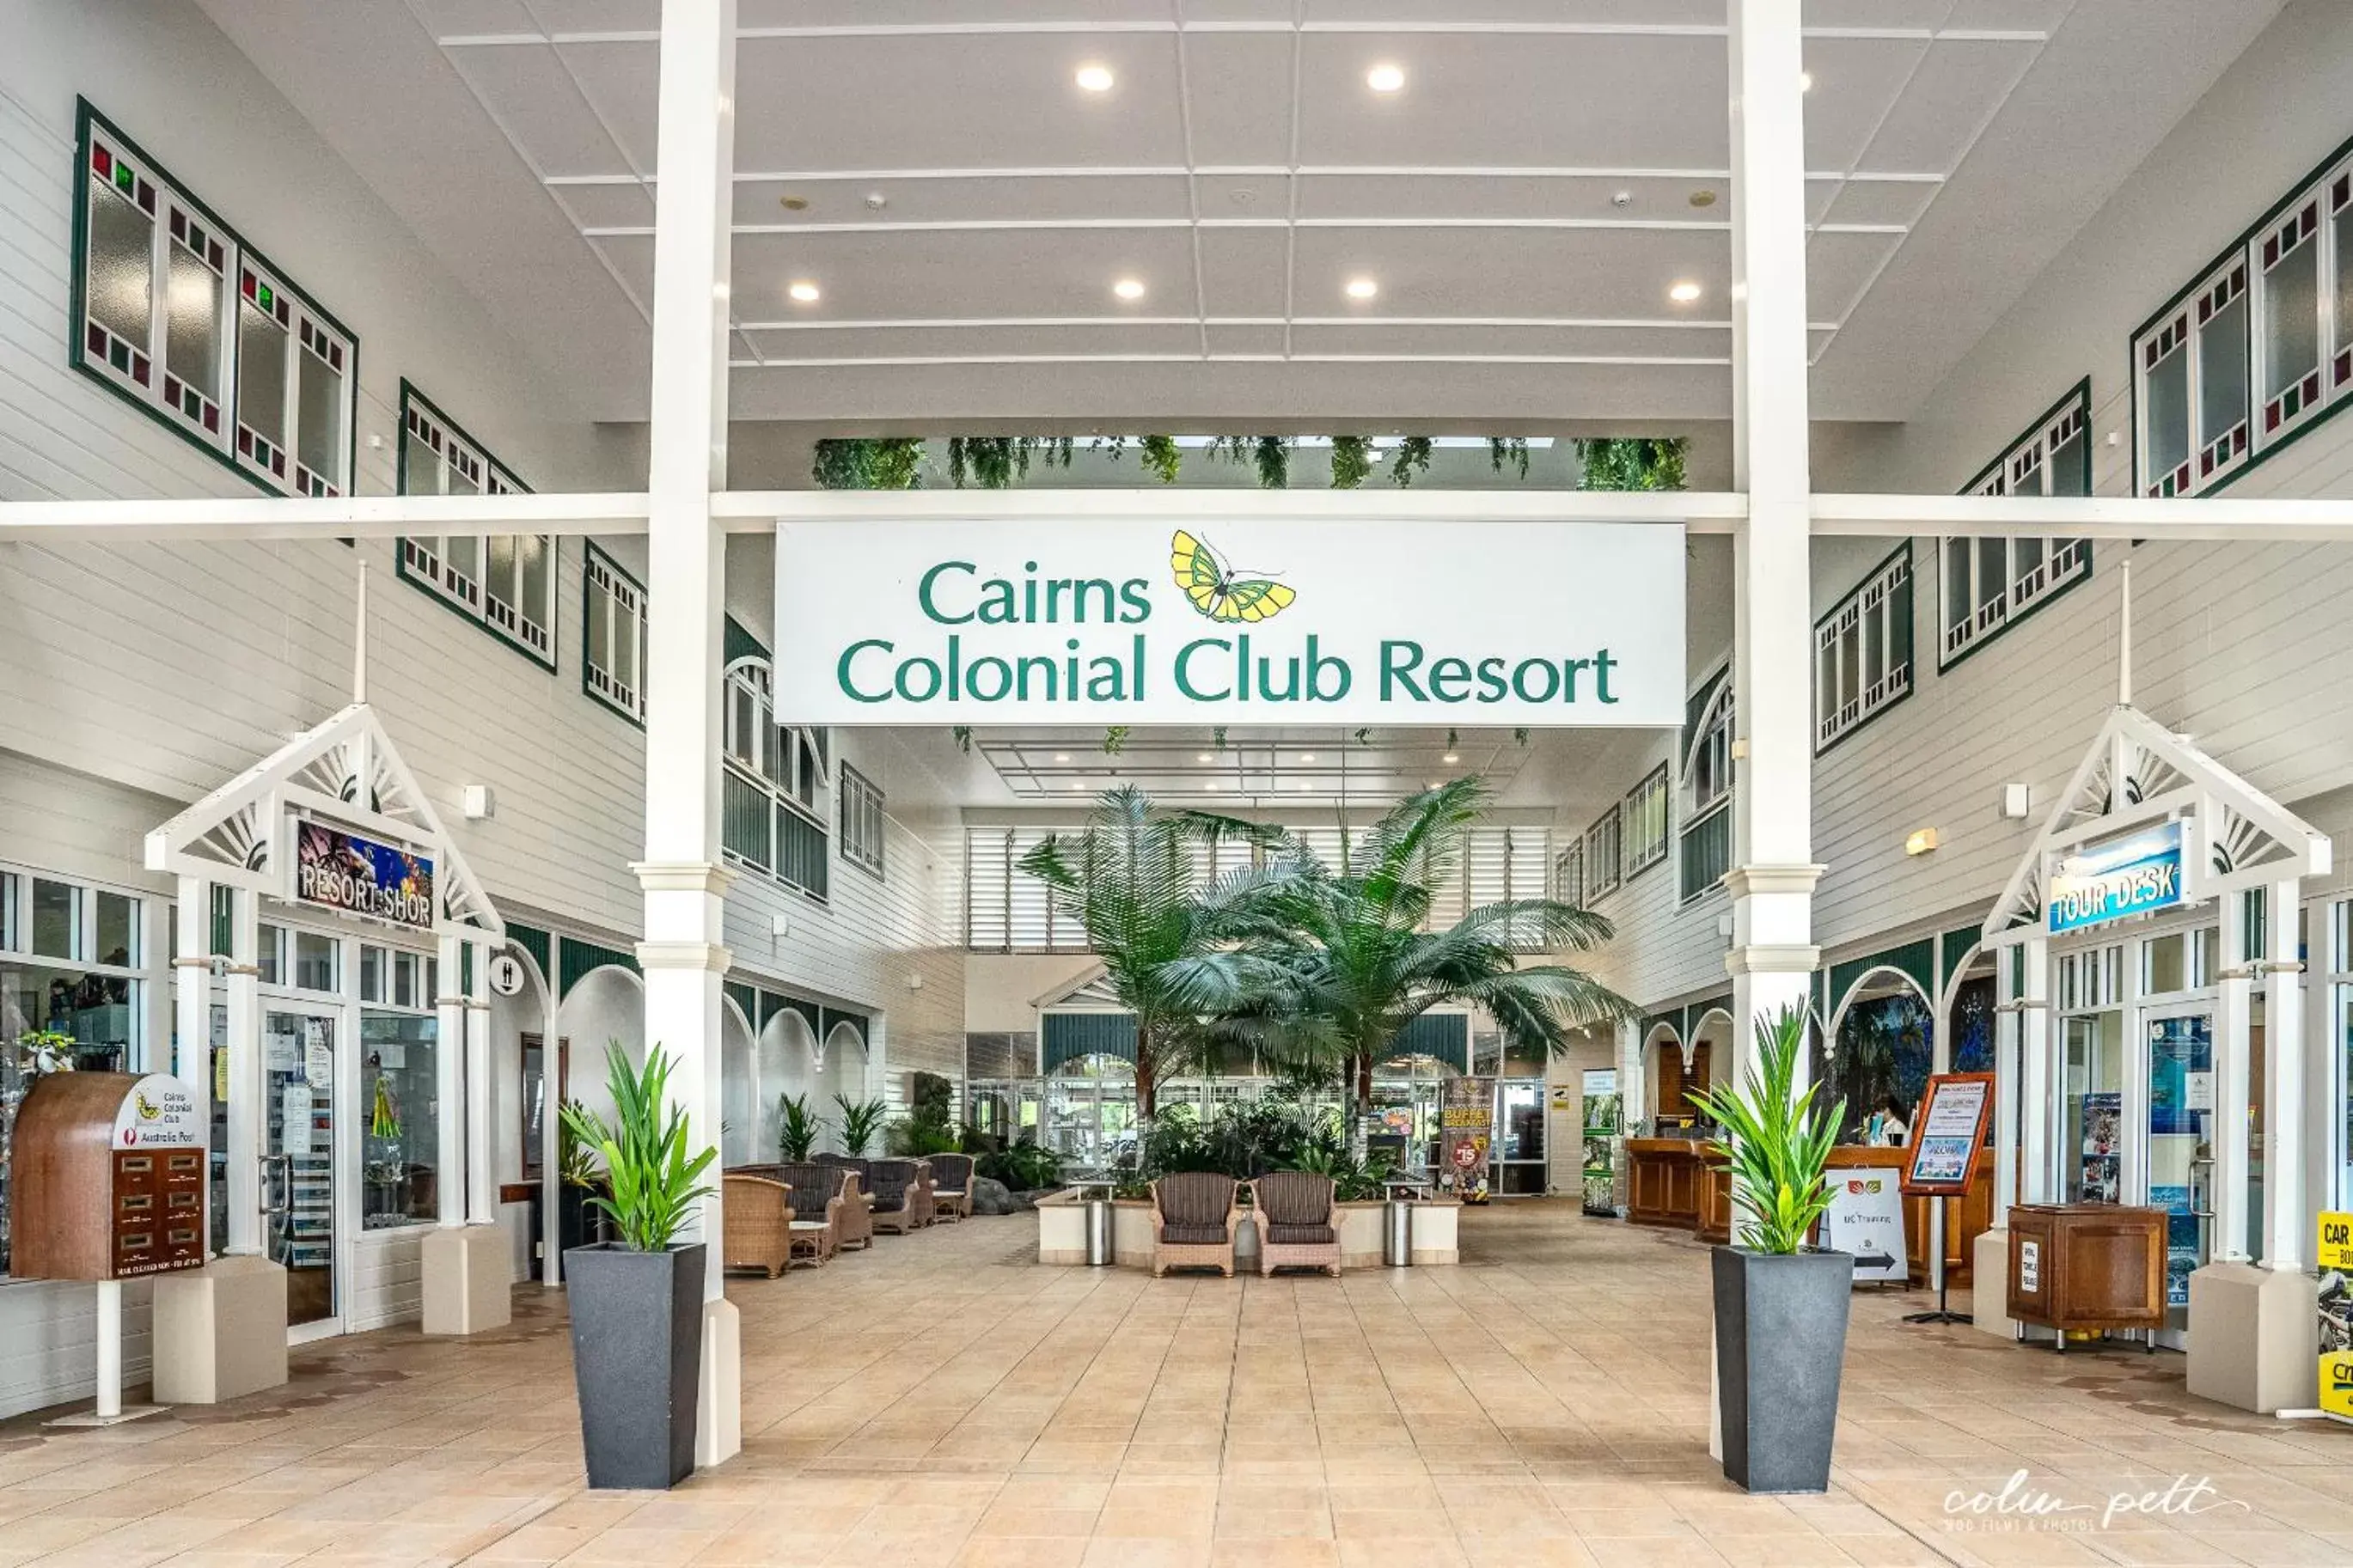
(1947, 1131)
(1602, 1126)
(1466, 1115)
(1865, 1220)
(2334, 1254)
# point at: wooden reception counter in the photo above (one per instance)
(1673, 1182)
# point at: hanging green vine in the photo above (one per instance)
(867, 463)
(1511, 449)
(1218, 737)
(1164, 457)
(1114, 740)
(1352, 461)
(1412, 457)
(1633, 463)
(962, 733)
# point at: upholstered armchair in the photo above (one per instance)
(1194, 1214)
(902, 1195)
(951, 1186)
(1298, 1222)
(755, 1223)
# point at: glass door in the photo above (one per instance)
(298, 1163)
(2180, 1162)
(1520, 1167)
(2091, 1144)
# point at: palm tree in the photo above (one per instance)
(1137, 879)
(1358, 967)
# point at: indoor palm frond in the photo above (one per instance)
(797, 1127)
(860, 1121)
(650, 1159)
(1781, 1143)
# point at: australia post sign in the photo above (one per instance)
(1233, 621)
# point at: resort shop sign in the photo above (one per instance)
(1236, 621)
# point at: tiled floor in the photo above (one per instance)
(943, 1401)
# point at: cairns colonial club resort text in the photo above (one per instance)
(1210, 668)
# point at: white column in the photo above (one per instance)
(2006, 1100)
(2034, 1072)
(482, 1094)
(2233, 1085)
(450, 1079)
(684, 955)
(551, 1178)
(2283, 1201)
(192, 1014)
(1772, 884)
(247, 1116)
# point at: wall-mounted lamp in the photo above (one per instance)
(481, 803)
(780, 926)
(2014, 801)
(1921, 841)
(915, 982)
(1740, 749)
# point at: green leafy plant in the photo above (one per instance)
(1352, 461)
(929, 1127)
(1164, 457)
(1115, 739)
(575, 1161)
(1633, 463)
(869, 463)
(43, 1051)
(1411, 460)
(1354, 1181)
(1022, 1167)
(1780, 1141)
(797, 1127)
(1511, 449)
(962, 735)
(860, 1121)
(654, 1169)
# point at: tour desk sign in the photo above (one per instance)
(2134, 876)
(1280, 621)
(341, 871)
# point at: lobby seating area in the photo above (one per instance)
(808, 1211)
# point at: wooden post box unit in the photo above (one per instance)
(2087, 1268)
(109, 1172)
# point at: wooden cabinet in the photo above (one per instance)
(1665, 1178)
(2086, 1266)
(109, 1178)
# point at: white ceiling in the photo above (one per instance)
(1266, 768)
(1525, 202)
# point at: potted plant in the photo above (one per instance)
(860, 1121)
(636, 1302)
(797, 1128)
(1780, 1304)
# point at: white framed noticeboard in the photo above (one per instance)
(1947, 1133)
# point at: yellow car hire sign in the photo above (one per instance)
(2334, 1253)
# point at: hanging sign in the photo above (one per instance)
(1947, 1133)
(159, 1113)
(2134, 876)
(1341, 621)
(2335, 1257)
(341, 871)
(1866, 1219)
(1466, 1119)
(506, 973)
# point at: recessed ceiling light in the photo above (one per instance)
(1683, 293)
(792, 204)
(1095, 78)
(1129, 288)
(804, 291)
(1061, 756)
(1385, 78)
(1362, 288)
(1210, 785)
(1204, 757)
(1307, 756)
(1450, 758)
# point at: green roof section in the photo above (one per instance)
(577, 960)
(1067, 1037)
(742, 644)
(1914, 960)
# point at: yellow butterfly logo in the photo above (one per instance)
(1214, 589)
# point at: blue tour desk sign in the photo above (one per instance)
(2132, 876)
(1238, 620)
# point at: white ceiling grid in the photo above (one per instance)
(967, 205)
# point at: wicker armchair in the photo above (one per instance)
(755, 1223)
(951, 1186)
(854, 1226)
(1193, 1215)
(1298, 1226)
(903, 1200)
(823, 1196)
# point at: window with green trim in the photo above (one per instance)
(2255, 349)
(1704, 849)
(504, 581)
(863, 826)
(1602, 870)
(1645, 819)
(1993, 583)
(613, 636)
(773, 784)
(1863, 650)
(173, 309)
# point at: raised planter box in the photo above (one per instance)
(1063, 1234)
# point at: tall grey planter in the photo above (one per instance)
(1781, 1341)
(637, 1357)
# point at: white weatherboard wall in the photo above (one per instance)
(2241, 646)
(134, 679)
